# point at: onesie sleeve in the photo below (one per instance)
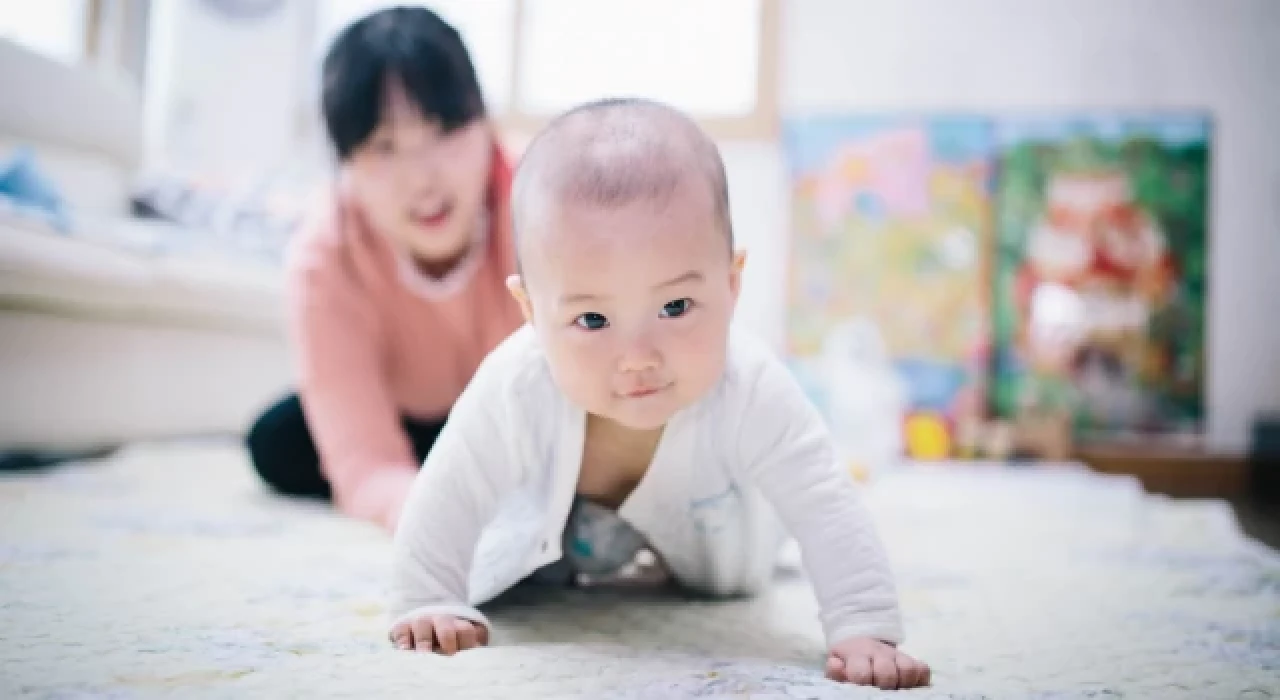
(787, 450)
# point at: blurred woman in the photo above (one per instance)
(396, 285)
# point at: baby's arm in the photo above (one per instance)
(469, 469)
(790, 454)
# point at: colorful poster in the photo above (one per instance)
(1099, 275)
(891, 224)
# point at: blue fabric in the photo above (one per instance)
(596, 542)
(26, 188)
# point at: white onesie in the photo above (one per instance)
(490, 505)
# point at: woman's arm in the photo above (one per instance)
(356, 427)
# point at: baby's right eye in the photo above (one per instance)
(591, 321)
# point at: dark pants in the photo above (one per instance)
(285, 456)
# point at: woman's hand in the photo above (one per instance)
(380, 497)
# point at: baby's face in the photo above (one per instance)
(632, 304)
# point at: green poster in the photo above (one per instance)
(1099, 273)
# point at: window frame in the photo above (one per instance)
(116, 36)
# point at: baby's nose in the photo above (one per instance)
(640, 357)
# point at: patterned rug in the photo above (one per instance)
(167, 571)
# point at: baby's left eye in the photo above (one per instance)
(677, 308)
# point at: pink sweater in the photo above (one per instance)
(372, 347)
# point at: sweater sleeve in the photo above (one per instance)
(473, 466)
(356, 427)
(787, 450)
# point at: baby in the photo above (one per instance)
(627, 417)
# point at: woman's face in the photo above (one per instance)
(420, 185)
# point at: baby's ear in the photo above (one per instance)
(735, 273)
(515, 285)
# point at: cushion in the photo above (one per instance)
(45, 271)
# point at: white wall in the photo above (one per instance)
(759, 204)
(237, 101)
(843, 55)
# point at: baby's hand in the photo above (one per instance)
(441, 633)
(867, 661)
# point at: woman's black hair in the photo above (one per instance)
(409, 44)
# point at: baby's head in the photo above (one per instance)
(628, 272)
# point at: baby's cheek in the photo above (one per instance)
(703, 354)
(578, 373)
(584, 354)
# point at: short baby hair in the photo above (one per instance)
(616, 151)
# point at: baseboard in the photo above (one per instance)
(1174, 472)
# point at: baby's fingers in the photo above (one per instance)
(885, 669)
(911, 673)
(835, 668)
(422, 636)
(402, 636)
(442, 633)
(467, 637)
(446, 635)
(857, 669)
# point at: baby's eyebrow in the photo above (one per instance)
(580, 298)
(570, 299)
(690, 276)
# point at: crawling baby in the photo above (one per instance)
(629, 417)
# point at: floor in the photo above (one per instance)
(166, 570)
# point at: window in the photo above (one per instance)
(699, 54)
(712, 58)
(58, 28)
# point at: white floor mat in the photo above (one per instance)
(166, 570)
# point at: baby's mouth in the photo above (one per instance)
(640, 393)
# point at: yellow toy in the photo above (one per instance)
(927, 437)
